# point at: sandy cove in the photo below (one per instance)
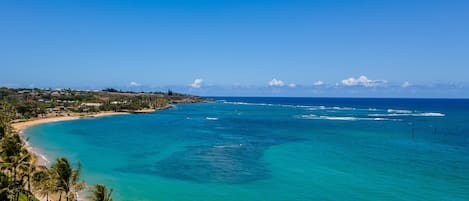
(20, 126)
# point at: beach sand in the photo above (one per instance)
(41, 159)
(20, 126)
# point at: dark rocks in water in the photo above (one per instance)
(235, 159)
(237, 163)
(232, 164)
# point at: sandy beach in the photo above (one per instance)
(20, 126)
(41, 159)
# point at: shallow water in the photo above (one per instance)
(274, 149)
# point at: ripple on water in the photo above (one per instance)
(233, 164)
(232, 158)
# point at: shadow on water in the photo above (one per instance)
(230, 163)
(236, 163)
(231, 155)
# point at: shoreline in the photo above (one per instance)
(42, 160)
(21, 126)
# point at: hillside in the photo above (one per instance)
(37, 103)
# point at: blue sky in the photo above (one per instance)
(256, 48)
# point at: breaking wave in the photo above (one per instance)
(399, 111)
(423, 114)
(390, 112)
(307, 107)
(347, 118)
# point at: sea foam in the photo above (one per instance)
(307, 107)
(399, 111)
(344, 118)
(424, 114)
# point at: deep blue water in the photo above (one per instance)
(274, 149)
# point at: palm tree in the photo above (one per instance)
(100, 193)
(27, 170)
(13, 156)
(67, 178)
(44, 182)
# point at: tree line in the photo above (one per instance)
(33, 103)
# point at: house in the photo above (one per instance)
(91, 104)
(24, 92)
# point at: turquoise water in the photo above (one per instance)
(274, 149)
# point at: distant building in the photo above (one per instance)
(24, 92)
(91, 104)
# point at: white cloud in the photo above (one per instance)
(406, 84)
(362, 81)
(276, 83)
(135, 84)
(197, 83)
(318, 83)
(292, 85)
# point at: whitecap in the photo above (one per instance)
(344, 118)
(343, 108)
(424, 114)
(308, 107)
(316, 108)
(432, 114)
(399, 111)
(245, 103)
(307, 116)
(339, 118)
(356, 118)
(228, 146)
(211, 118)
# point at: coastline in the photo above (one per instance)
(21, 126)
(42, 160)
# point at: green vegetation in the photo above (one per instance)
(36, 103)
(20, 177)
(100, 193)
(68, 180)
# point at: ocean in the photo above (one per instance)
(273, 149)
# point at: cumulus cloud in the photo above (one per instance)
(406, 84)
(276, 83)
(197, 83)
(318, 83)
(135, 84)
(362, 81)
(292, 85)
